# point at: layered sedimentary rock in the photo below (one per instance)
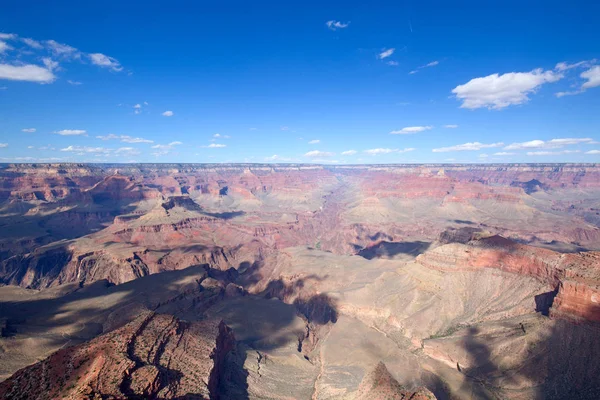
(154, 356)
(575, 277)
(458, 278)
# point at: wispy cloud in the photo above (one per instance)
(215, 146)
(471, 146)
(166, 146)
(168, 113)
(275, 157)
(593, 152)
(105, 61)
(74, 83)
(335, 25)
(32, 43)
(409, 130)
(314, 141)
(28, 130)
(218, 135)
(124, 138)
(86, 149)
(349, 152)
(451, 126)
(550, 144)
(22, 65)
(378, 151)
(428, 65)
(3, 145)
(71, 132)
(319, 154)
(551, 153)
(386, 53)
(504, 153)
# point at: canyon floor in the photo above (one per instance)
(175, 281)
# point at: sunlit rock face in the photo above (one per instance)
(295, 281)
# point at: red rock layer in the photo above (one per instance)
(154, 356)
(576, 275)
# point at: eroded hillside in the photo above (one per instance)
(297, 281)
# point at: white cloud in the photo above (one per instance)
(314, 141)
(483, 155)
(386, 53)
(593, 152)
(75, 83)
(563, 66)
(285, 128)
(318, 153)
(124, 138)
(32, 43)
(551, 153)
(393, 63)
(7, 36)
(164, 148)
(428, 65)
(499, 91)
(128, 151)
(215, 146)
(28, 130)
(168, 113)
(3, 145)
(137, 106)
(378, 151)
(410, 130)
(218, 135)
(4, 47)
(28, 72)
(275, 157)
(86, 149)
(335, 25)
(71, 132)
(62, 50)
(593, 77)
(49, 63)
(105, 61)
(551, 144)
(471, 146)
(451, 126)
(504, 153)
(567, 141)
(349, 152)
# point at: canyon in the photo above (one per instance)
(297, 281)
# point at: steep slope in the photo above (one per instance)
(154, 356)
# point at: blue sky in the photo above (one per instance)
(344, 82)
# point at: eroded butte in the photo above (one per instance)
(239, 281)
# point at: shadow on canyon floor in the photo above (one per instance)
(564, 364)
(386, 249)
(79, 313)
